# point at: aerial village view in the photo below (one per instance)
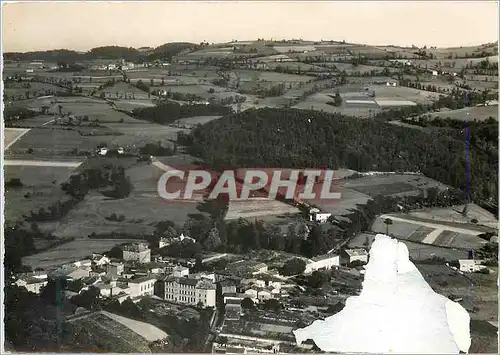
(98, 259)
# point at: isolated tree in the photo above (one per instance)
(387, 222)
(317, 279)
(247, 303)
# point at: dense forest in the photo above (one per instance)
(305, 139)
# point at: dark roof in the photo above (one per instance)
(182, 280)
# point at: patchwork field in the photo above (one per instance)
(391, 184)
(258, 207)
(69, 252)
(431, 231)
(37, 121)
(142, 210)
(11, 135)
(417, 251)
(469, 113)
(33, 89)
(455, 215)
(40, 189)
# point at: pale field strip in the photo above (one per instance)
(360, 102)
(436, 226)
(42, 163)
(432, 236)
(387, 102)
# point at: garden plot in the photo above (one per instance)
(444, 234)
(420, 234)
(72, 251)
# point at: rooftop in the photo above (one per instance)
(356, 252)
(142, 279)
(324, 257)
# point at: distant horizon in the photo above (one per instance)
(80, 26)
(243, 41)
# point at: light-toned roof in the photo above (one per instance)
(356, 252)
(324, 257)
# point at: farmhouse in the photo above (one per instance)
(351, 255)
(139, 252)
(471, 265)
(318, 216)
(187, 291)
(33, 282)
(322, 262)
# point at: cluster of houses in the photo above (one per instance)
(138, 274)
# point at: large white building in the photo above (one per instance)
(143, 286)
(139, 252)
(188, 291)
(322, 262)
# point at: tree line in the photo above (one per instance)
(294, 138)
